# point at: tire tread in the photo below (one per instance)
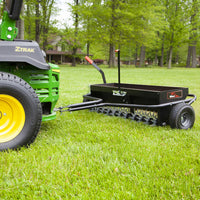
(16, 80)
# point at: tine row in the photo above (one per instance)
(127, 114)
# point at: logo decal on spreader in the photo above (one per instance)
(119, 93)
(175, 94)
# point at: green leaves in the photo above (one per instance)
(37, 17)
(125, 24)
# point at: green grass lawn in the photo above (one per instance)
(85, 155)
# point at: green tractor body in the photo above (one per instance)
(29, 87)
(44, 82)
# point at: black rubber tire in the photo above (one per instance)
(182, 116)
(19, 89)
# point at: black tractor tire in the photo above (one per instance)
(20, 112)
(182, 116)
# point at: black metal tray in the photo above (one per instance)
(138, 94)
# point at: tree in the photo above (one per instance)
(176, 29)
(20, 26)
(47, 7)
(75, 7)
(149, 29)
(38, 19)
(194, 18)
(88, 18)
(76, 23)
(29, 19)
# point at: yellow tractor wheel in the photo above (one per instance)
(12, 117)
(20, 112)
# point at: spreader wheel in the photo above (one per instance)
(182, 116)
(20, 112)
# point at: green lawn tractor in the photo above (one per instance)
(29, 87)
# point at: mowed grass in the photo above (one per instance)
(85, 155)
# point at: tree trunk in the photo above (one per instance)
(167, 58)
(189, 56)
(112, 56)
(88, 48)
(29, 17)
(171, 49)
(112, 34)
(44, 26)
(193, 37)
(177, 58)
(162, 52)
(162, 55)
(37, 21)
(194, 31)
(45, 41)
(75, 36)
(170, 58)
(194, 58)
(142, 55)
(46, 11)
(74, 50)
(136, 56)
(20, 26)
(156, 57)
(74, 56)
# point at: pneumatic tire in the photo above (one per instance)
(182, 116)
(20, 112)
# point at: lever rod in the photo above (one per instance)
(92, 63)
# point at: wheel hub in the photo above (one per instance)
(185, 119)
(12, 117)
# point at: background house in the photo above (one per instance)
(60, 51)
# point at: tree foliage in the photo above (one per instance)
(37, 15)
(155, 30)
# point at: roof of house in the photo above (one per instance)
(55, 52)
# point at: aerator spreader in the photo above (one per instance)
(153, 105)
(29, 90)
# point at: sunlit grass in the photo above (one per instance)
(85, 155)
